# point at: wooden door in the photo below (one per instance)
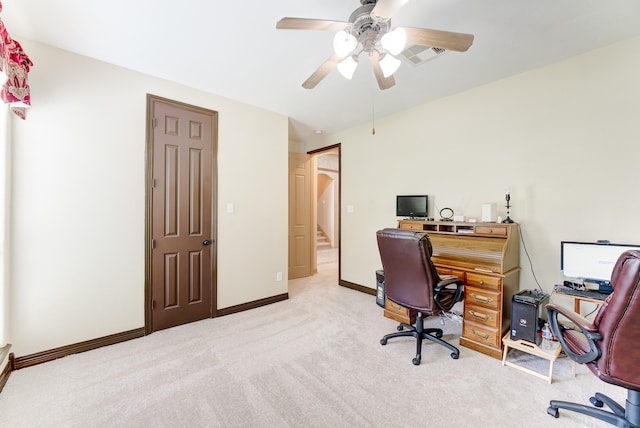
(182, 246)
(299, 215)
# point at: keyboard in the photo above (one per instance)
(591, 294)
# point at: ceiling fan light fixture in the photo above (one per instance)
(394, 41)
(344, 43)
(348, 66)
(369, 30)
(389, 65)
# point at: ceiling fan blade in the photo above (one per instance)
(322, 71)
(383, 82)
(448, 40)
(387, 8)
(310, 24)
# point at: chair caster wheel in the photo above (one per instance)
(438, 334)
(416, 361)
(596, 402)
(400, 328)
(455, 355)
(383, 341)
(553, 412)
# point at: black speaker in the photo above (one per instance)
(528, 313)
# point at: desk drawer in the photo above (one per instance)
(485, 298)
(411, 226)
(492, 230)
(484, 281)
(478, 333)
(486, 317)
(399, 313)
(396, 308)
(448, 271)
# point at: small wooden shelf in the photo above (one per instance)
(533, 349)
(453, 227)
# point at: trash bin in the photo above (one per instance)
(380, 296)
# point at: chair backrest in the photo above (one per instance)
(618, 321)
(409, 274)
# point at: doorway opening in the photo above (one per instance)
(326, 163)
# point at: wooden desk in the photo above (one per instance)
(533, 349)
(486, 256)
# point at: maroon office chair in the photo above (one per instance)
(411, 280)
(609, 346)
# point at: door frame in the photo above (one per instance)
(148, 234)
(314, 206)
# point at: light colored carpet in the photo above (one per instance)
(312, 361)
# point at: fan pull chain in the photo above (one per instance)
(373, 113)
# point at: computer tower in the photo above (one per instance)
(528, 313)
(380, 295)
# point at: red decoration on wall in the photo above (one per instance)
(15, 64)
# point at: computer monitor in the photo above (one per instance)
(412, 206)
(591, 261)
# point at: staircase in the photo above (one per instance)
(322, 243)
(326, 256)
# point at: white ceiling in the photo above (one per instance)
(232, 48)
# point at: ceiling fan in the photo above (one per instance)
(369, 31)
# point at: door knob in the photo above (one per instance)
(206, 242)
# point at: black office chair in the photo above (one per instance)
(411, 280)
(609, 346)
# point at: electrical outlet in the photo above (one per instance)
(278, 276)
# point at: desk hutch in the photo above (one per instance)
(486, 256)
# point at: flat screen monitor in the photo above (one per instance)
(592, 262)
(412, 206)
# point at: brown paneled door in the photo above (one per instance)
(182, 243)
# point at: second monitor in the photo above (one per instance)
(412, 206)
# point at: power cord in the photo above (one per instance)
(594, 309)
(530, 262)
(551, 300)
(453, 315)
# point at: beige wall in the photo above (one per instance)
(564, 138)
(78, 207)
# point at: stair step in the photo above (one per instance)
(322, 242)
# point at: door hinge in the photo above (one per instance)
(153, 304)
(153, 243)
(154, 122)
(154, 183)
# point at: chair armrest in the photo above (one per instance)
(586, 327)
(443, 289)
